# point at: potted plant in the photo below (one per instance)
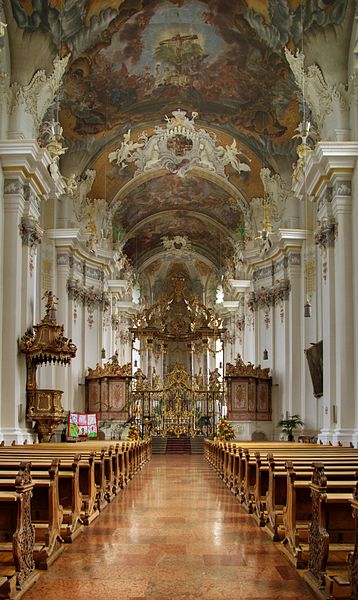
(289, 425)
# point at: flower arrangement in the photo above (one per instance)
(225, 430)
(133, 433)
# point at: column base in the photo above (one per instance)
(9, 434)
(344, 436)
(245, 429)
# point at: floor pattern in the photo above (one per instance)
(175, 533)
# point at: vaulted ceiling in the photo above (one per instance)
(134, 61)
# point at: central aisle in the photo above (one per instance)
(174, 533)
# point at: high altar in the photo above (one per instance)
(178, 336)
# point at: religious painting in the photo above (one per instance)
(314, 356)
(94, 391)
(203, 235)
(129, 61)
(117, 395)
(170, 192)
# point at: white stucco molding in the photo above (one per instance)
(327, 163)
(25, 159)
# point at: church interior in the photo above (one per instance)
(178, 284)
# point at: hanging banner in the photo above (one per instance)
(82, 426)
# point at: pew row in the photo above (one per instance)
(332, 538)
(17, 536)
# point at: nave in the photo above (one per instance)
(175, 533)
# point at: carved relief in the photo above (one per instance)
(318, 94)
(31, 235)
(90, 297)
(179, 148)
(343, 188)
(13, 186)
(326, 232)
(267, 297)
(40, 93)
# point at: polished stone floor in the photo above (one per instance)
(175, 533)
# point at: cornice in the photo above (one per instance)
(328, 162)
(26, 158)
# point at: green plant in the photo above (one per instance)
(290, 424)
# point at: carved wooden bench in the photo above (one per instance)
(87, 484)
(277, 486)
(17, 536)
(297, 513)
(70, 497)
(46, 511)
(332, 536)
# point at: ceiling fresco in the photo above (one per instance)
(171, 193)
(135, 61)
(132, 59)
(204, 237)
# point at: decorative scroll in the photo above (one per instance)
(24, 537)
(240, 369)
(112, 367)
(318, 536)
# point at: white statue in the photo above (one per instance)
(121, 156)
(230, 156)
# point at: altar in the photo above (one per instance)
(178, 407)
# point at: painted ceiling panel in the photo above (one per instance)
(134, 61)
(172, 193)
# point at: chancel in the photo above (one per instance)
(178, 284)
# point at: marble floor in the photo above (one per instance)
(175, 533)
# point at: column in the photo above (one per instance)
(294, 352)
(13, 391)
(149, 360)
(325, 238)
(342, 212)
(63, 375)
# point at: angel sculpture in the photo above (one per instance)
(230, 156)
(124, 153)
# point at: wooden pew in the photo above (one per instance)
(17, 536)
(297, 513)
(87, 484)
(331, 538)
(70, 497)
(46, 511)
(277, 486)
(353, 556)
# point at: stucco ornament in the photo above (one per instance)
(319, 96)
(178, 245)
(179, 147)
(78, 189)
(40, 93)
(268, 211)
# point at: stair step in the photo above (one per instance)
(178, 445)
